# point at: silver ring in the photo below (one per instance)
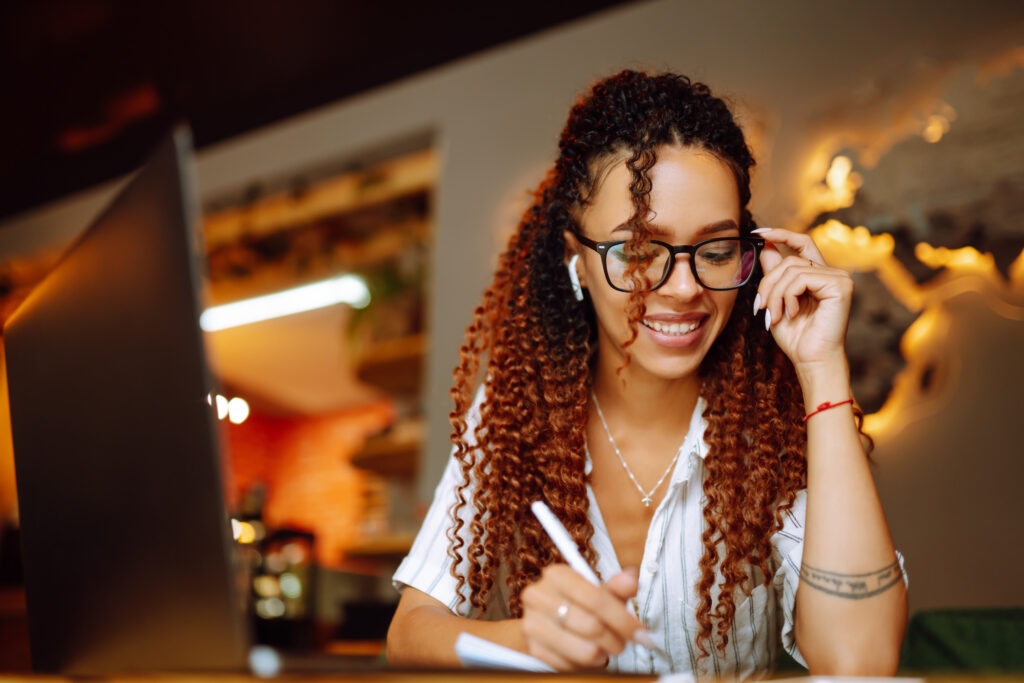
(562, 613)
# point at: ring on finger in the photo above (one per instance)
(562, 613)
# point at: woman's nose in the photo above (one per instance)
(681, 283)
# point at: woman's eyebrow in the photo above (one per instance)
(717, 226)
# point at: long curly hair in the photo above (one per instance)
(536, 345)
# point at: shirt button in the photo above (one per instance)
(652, 567)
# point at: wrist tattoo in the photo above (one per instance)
(852, 586)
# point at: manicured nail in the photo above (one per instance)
(757, 303)
(767, 319)
(642, 637)
(760, 230)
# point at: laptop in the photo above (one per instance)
(126, 543)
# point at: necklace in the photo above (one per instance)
(646, 500)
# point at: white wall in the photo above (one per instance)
(789, 65)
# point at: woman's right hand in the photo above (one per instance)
(572, 624)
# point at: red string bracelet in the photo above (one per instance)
(825, 406)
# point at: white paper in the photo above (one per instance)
(478, 653)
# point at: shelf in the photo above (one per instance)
(344, 193)
(394, 365)
(394, 453)
(390, 546)
(355, 648)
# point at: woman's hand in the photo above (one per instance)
(807, 303)
(572, 624)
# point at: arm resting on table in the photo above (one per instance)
(423, 632)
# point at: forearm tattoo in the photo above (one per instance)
(852, 586)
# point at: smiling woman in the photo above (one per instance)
(693, 196)
(705, 505)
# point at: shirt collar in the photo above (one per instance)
(693, 448)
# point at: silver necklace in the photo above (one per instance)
(647, 499)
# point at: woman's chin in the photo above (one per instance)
(668, 369)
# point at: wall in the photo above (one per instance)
(790, 68)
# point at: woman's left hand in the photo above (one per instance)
(806, 302)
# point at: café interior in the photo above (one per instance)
(399, 150)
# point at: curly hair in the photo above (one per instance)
(536, 344)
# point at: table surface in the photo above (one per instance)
(395, 676)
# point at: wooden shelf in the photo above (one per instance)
(284, 210)
(357, 648)
(301, 267)
(394, 453)
(394, 365)
(391, 546)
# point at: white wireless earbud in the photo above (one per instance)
(574, 278)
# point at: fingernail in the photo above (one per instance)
(767, 319)
(760, 230)
(642, 637)
(757, 303)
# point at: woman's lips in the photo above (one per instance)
(675, 334)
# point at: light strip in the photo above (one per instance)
(349, 289)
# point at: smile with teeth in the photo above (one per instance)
(675, 329)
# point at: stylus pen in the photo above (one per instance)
(563, 541)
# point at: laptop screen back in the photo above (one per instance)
(126, 541)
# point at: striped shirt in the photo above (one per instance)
(666, 600)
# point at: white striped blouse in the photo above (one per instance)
(666, 600)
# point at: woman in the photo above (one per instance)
(654, 396)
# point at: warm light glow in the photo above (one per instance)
(829, 183)
(236, 529)
(922, 329)
(222, 407)
(938, 123)
(935, 128)
(965, 258)
(1017, 271)
(348, 289)
(917, 346)
(246, 533)
(266, 586)
(965, 270)
(838, 173)
(238, 410)
(852, 248)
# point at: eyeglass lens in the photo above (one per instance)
(720, 263)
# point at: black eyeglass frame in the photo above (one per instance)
(603, 248)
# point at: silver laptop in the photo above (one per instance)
(128, 555)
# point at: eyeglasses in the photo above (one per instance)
(720, 263)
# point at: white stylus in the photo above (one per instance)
(563, 541)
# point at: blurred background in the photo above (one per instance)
(400, 143)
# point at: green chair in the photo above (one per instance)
(957, 640)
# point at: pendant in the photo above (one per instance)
(646, 500)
